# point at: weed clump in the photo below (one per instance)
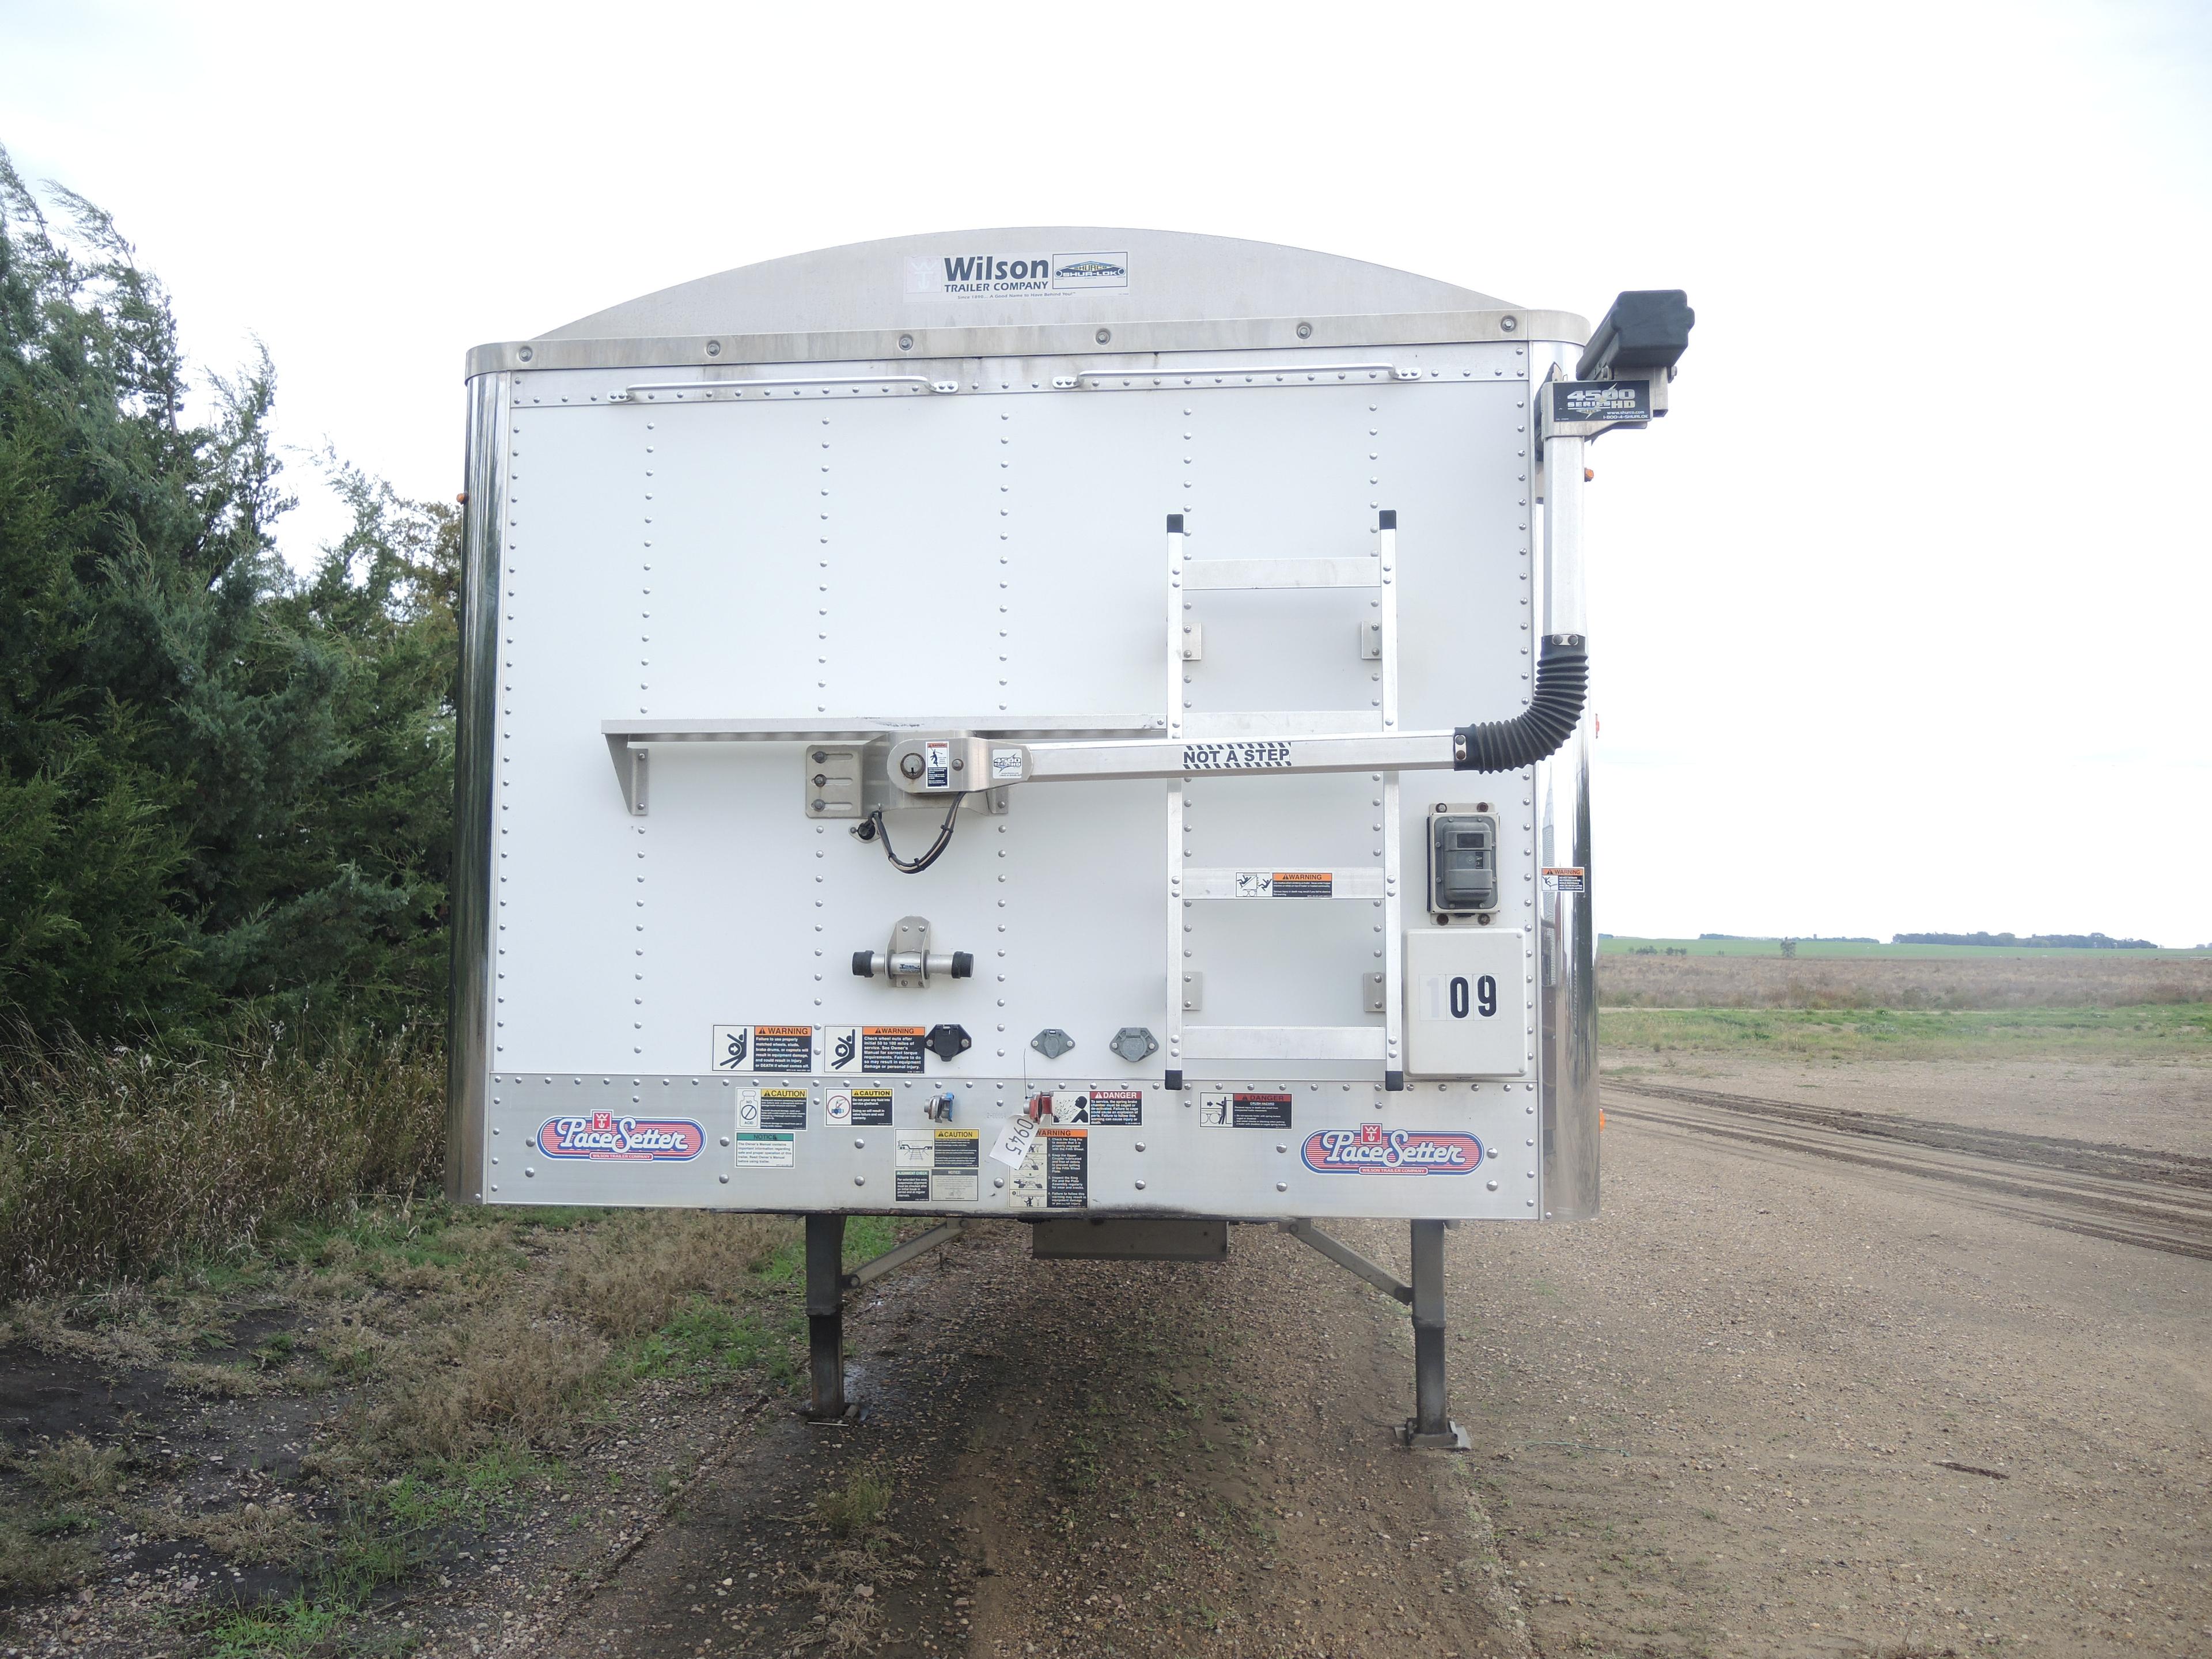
(541, 1350)
(855, 1507)
(114, 1162)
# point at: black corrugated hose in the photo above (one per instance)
(1536, 733)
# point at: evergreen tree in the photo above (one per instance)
(221, 786)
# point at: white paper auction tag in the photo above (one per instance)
(1014, 1141)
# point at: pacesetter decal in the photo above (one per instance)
(607, 1138)
(1373, 1149)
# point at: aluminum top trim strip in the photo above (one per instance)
(1354, 334)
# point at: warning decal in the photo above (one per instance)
(764, 1151)
(871, 1049)
(892, 1047)
(1252, 1111)
(841, 1048)
(939, 1166)
(1566, 880)
(1117, 1106)
(952, 1178)
(1260, 1111)
(1302, 884)
(782, 1109)
(763, 1048)
(872, 1108)
(1066, 1168)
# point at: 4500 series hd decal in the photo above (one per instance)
(605, 1137)
(1372, 1149)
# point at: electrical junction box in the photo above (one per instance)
(906, 680)
(1462, 863)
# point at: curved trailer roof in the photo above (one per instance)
(921, 296)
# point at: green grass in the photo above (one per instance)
(865, 1237)
(2155, 1032)
(706, 1341)
(1622, 945)
(861, 1503)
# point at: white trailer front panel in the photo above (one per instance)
(741, 561)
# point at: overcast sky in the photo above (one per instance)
(1902, 618)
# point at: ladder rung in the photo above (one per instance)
(1210, 576)
(1361, 882)
(1229, 726)
(1282, 1042)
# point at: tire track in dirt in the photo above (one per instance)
(2129, 1196)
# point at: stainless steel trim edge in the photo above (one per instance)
(469, 895)
(1567, 963)
(1034, 340)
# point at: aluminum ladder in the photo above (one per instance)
(1378, 883)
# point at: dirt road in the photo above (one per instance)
(1776, 1401)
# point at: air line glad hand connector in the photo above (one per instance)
(909, 961)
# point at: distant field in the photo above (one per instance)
(2173, 1033)
(1621, 945)
(1944, 979)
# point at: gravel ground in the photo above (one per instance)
(1083, 1459)
(1771, 1405)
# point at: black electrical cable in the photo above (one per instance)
(915, 867)
(1555, 709)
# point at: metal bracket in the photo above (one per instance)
(899, 1256)
(1377, 988)
(833, 783)
(909, 961)
(1134, 1044)
(629, 772)
(1193, 991)
(1194, 641)
(1351, 1261)
(1370, 641)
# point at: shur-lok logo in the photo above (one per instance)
(1372, 1149)
(988, 271)
(603, 1135)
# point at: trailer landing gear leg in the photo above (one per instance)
(825, 1314)
(1429, 1428)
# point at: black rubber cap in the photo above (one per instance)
(1645, 329)
(1394, 1081)
(1390, 518)
(963, 964)
(1175, 1079)
(863, 964)
(1174, 524)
